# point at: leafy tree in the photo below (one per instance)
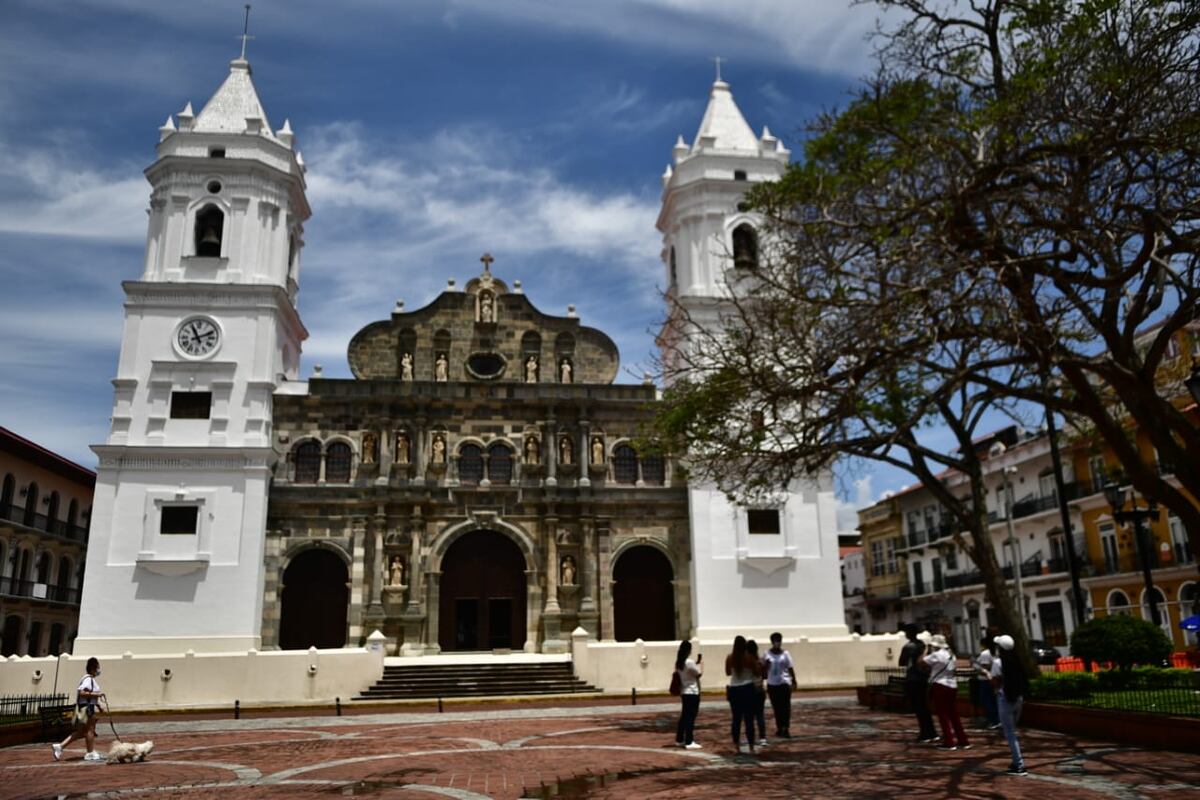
(1122, 640)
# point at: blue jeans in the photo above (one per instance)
(987, 699)
(1010, 713)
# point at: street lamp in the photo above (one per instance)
(1015, 545)
(1138, 516)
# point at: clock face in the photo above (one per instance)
(198, 336)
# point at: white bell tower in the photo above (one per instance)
(175, 556)
(763, 569)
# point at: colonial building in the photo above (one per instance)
(45, 504)
(477, 485)
(886, 580)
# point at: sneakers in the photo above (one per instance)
(93, 756)
(1015, 771)
(693, 746)
(995, 726)
(762, 742)
(928, 739)
(679, 744)
(964, 747)
(56, 748)
(946, 747)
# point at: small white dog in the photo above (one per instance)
(125, 752)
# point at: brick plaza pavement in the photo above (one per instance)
(579, 750)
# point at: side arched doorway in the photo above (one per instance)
(482, 594)
(316, 597)
(643, 596)
(10, 644)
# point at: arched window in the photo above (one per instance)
(1159, 600)
(31, 499)
(6, 494)
(43, 568)
(210, 227)
(308, 462)
(674, 267)
(1118, 603)
(338, 458)
(52, 513)
(56, 642)
(624, 461)
(745, 247)
(64, 577)
(500, 463)
(654, 470)
(470, 464)
(72, 516)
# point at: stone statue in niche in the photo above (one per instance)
(531, 450)
(567, 571)
(531, 369)
(396, 573)
(564, 371)
(597, 450)
(439, 449)
(564, 450)
(441, 368)
(564, 536)
(487, 307)
(403, 448)
(369, 447)
(406, 367)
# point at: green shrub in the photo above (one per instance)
(1121, 639)
(1053, 686)
(1143, 678)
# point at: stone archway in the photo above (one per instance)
(482, 596)
(314, 602)
(10, 642)
(643, 596)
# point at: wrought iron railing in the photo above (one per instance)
(15, 709)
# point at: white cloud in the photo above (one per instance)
(847, 510)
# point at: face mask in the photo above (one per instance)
(97, 673)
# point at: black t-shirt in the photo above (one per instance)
(1015, 682)
(910, 656)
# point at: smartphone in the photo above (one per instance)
(699, 658)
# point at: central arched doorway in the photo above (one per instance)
(315, 599)
(482, 594)
(643, 596)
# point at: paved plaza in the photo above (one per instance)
(585, 750)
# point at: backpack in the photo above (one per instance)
(676, 684)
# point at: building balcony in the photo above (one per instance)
(40, 522)
(11, 587)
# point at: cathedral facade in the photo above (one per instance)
(479, 483)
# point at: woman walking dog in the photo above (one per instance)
(87, 713)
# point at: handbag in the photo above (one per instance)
(676, 684)
(82, 715)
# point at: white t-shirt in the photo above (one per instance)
(941, 668)
(984, 661)
(778, 665)
(689, 677)
(87, 684)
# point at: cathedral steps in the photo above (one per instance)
(475, 680)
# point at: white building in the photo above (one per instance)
(754, 570)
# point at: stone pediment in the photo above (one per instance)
(485, 332)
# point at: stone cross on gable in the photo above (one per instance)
(487, 260)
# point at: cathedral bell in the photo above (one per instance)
(210, 237)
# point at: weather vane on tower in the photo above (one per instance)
(716, 59)
(245, 32)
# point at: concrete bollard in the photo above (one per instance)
(633, 695)
(338, 702)
(440, 709)
(237, 709)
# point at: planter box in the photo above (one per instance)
(1158, 731)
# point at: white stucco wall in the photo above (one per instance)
(837, 661)
(205, 680)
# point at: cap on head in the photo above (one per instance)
(938, 642)
(1004, 641)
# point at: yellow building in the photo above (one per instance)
(886, 579)
(1114, 577)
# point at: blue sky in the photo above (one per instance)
(433, 131)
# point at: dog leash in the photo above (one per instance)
(108, 713)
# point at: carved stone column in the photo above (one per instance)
(548, 526)
(357, 576)
(604, 580)
(550, 442)
(387, 445)
(588, 616)
(585, 430)
(431, 628)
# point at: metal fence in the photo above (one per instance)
(1177, 695)
(15, 709)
